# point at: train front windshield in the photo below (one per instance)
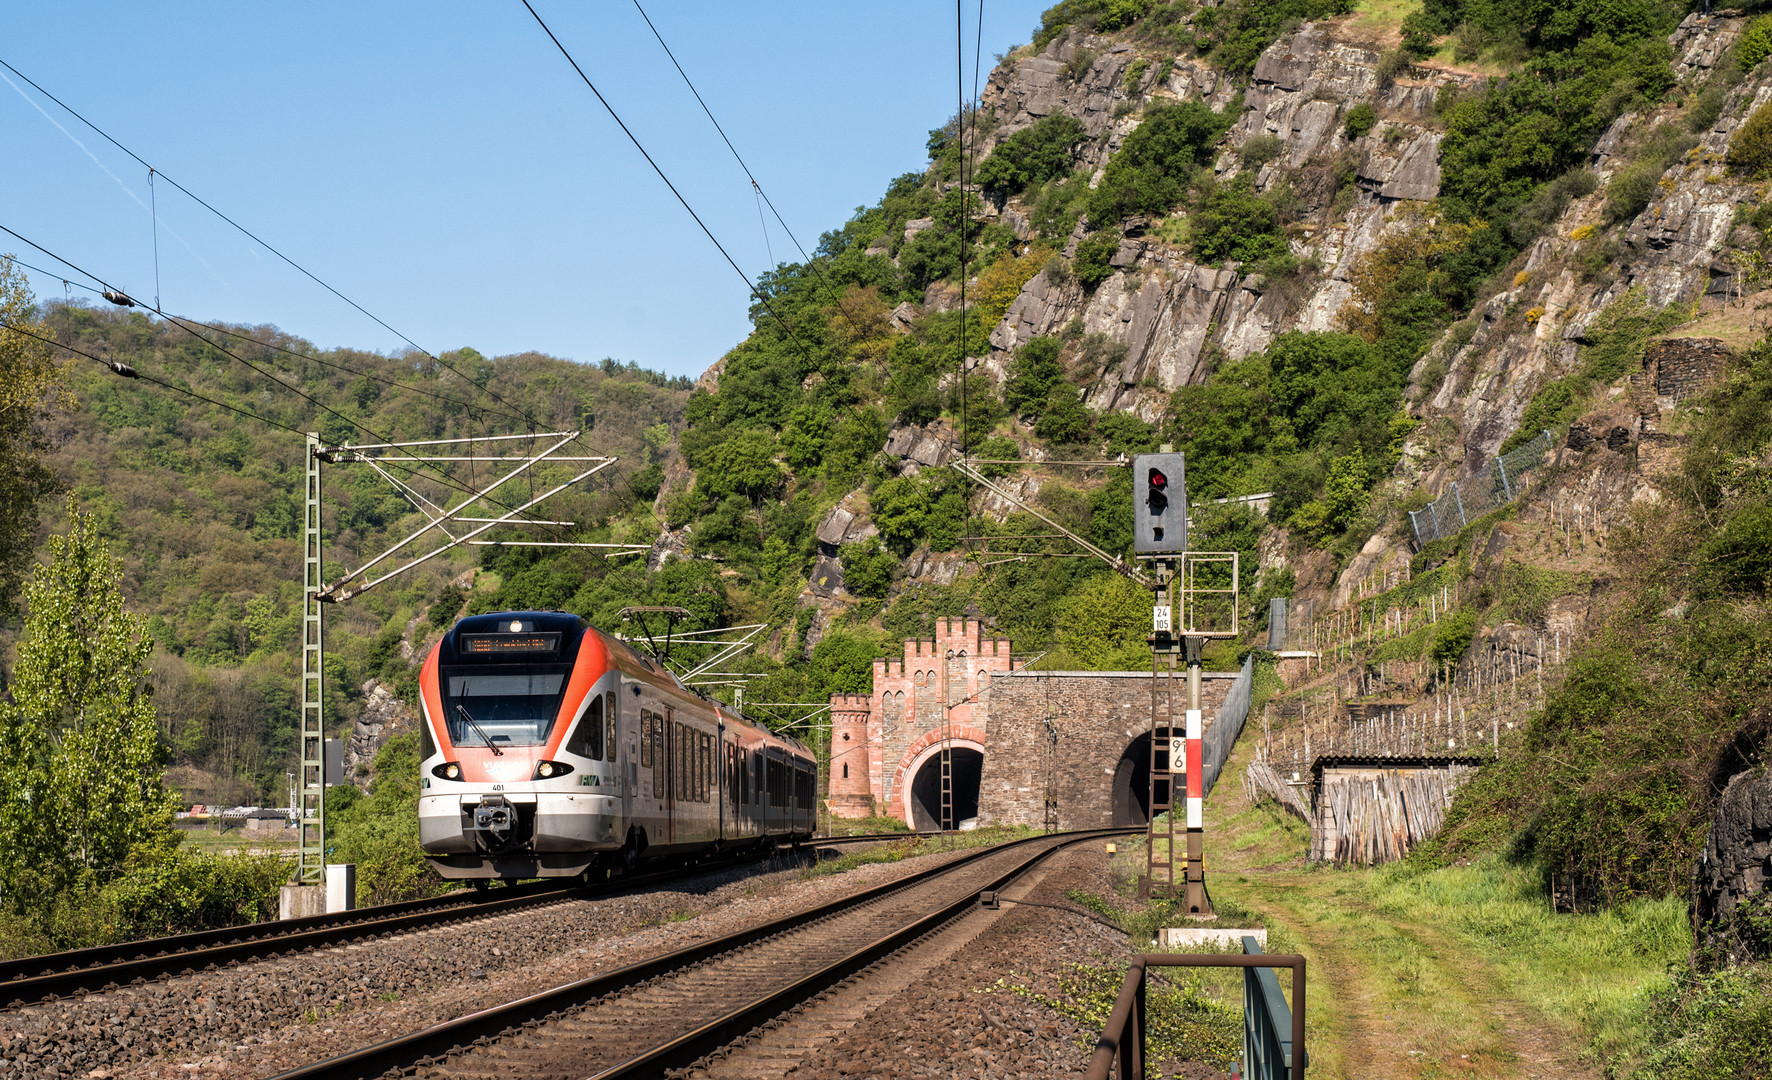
(498, 707)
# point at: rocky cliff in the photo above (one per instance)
(1176, 318)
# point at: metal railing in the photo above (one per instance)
(1504, 480)
(1222, 735)
(1267, 1053)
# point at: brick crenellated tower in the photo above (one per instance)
(881, 740)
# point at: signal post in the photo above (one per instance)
(1184, 613)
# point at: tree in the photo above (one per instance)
(1032, 155)
(31, 380)
(82, 784)
(1151, 172)
(1102, 625)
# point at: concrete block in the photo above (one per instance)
(301, 901)
(1172, 937)
(341, 887)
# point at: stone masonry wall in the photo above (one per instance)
(1683, 367)
(1097, 715)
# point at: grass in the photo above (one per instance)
(1423, 972)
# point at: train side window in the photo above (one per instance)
(646, 722)
(744, 776)
(707, 768)
(661, 762)
(587, 737)
(609, 715)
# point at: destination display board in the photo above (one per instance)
(507, 644)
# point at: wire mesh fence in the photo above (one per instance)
(1506, 479)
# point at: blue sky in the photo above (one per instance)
(443, 166)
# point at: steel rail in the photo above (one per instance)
(32, 979)
(429, 1046)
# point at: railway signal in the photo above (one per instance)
(1184, 614)
(1159, 504)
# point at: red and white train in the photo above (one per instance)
(550, 748)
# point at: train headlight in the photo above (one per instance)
(449, 770)
(547, 770)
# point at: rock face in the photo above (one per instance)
(1732, 888)
(384, 716)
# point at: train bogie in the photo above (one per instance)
(550, 748)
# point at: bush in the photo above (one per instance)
(380, 833)
(1755, 43)
(1453, 637)
(1750, 148)
(1258, 150)
(1150, 173)
(1739, 557)
(1235, 223)
(1092, 265)
(867, 569)
(1360, 119)
(449, 601)
(1032, 374)
(1064, 420)
(1032, 155)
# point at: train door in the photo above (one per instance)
(667, 771)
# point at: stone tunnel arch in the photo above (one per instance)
(1132, 780)
(923, 791)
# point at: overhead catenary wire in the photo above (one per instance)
(255, 238)
(762, 300)
(128, 371)
(321, 360)
(808, 260)
(118, 296)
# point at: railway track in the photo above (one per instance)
(33, 979)
(672, 1011)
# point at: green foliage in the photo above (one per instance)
(161, 889)
(1151, 172)
(1232, 222)
(867, 569)
(1616, 341)
(380, 833)
(843, 664)
(1712, 1024)
(1092, 265)
(1182, 1022)
(1033, 155)
(1102, 626)
(1064, 420)
(1033, 372)
(1632, 187)
(1750, 148)
(1755, 43)
(1275, 421)
(1738, 558)
(31, 379)
(1103, 15)
(1527, 130)
(1343, 498)
(1236, 33)
(1453, 636)
(927, 508)
(1258, 150)
(1360, 119)
(448, 603)
(82, 787)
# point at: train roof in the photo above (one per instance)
(623, 655)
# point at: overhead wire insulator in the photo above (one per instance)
(121, 299)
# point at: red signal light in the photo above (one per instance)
(1158, 479)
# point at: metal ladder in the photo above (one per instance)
(311, 856)
(1161, 832)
